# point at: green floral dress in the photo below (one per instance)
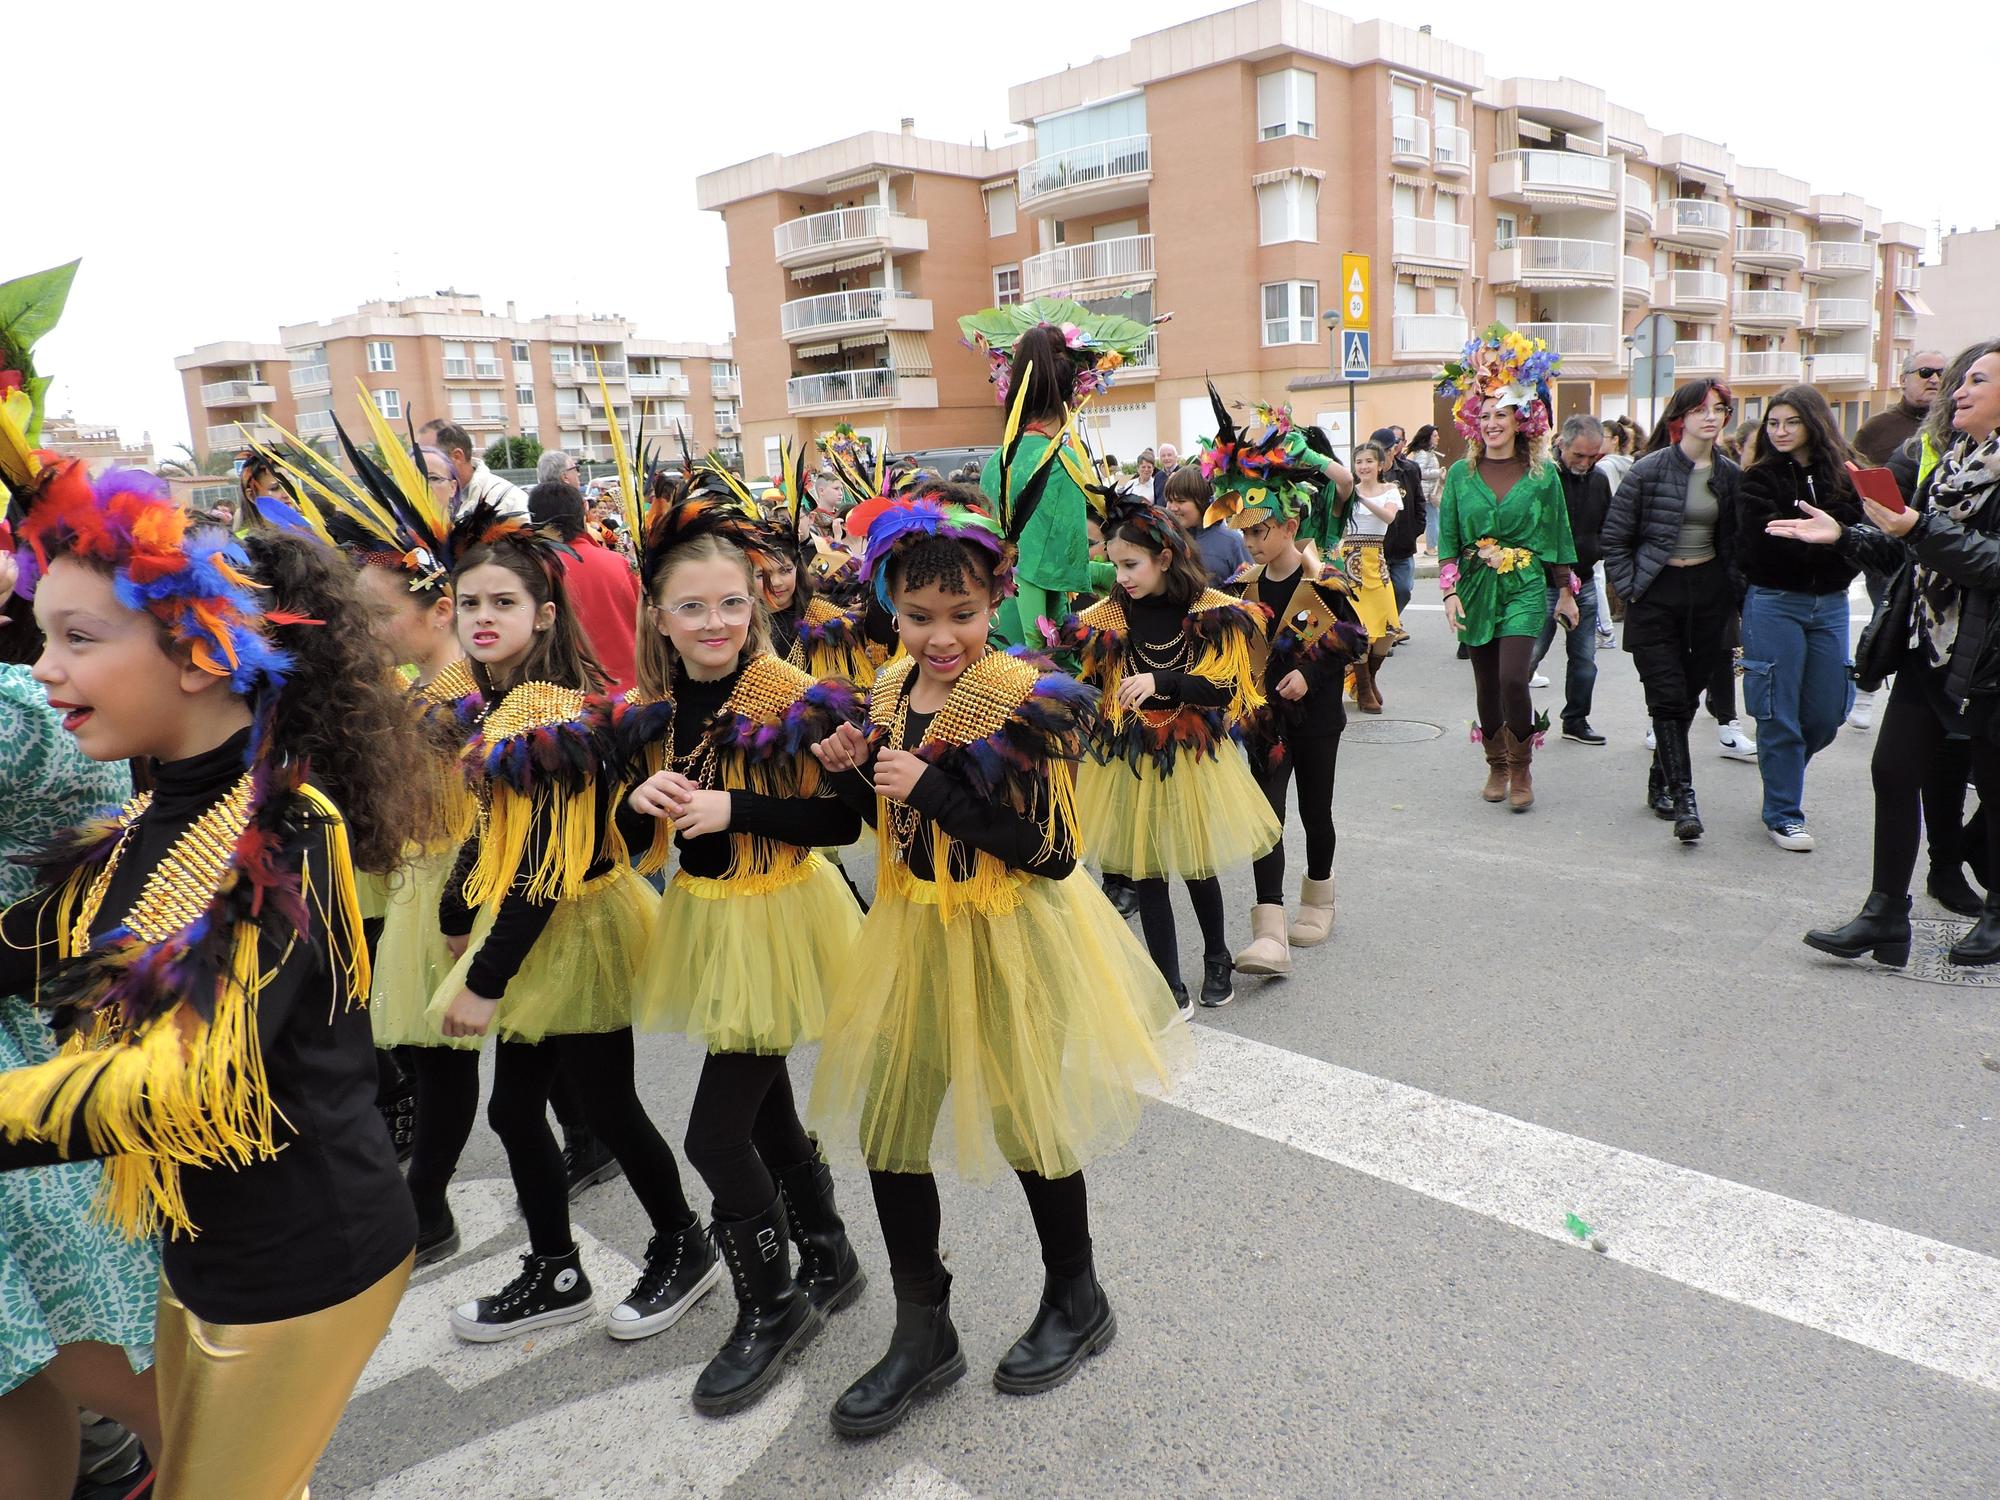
(64, 1277)
(1531, 525)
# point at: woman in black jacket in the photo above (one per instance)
(1795, 681)
(1939, 630)
(1668, 542)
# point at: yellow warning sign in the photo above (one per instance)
(1355, 296)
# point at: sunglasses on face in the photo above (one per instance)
(1927, 372)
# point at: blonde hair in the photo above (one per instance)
(656, 655)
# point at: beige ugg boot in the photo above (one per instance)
(1315, 923)
(1268, 952)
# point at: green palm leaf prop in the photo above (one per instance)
(29, 307)
(998, 327)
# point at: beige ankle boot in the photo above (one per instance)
(1268, 952)
(1315, 923)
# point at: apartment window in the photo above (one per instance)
(568, 408)
(1287, 104)
(461, 406)
(485, 364)
(1000, 211)
(455, 362)
(520, 352)
(381, 357)
(1006, 285)
(489, 405)
(524, 395)
(562, 358)
(774, 455)
(390, 403)
(1291, 312)
(1444, 111)
(1288, 209)
(1505, 228)
(1405, 298)
(525, 415)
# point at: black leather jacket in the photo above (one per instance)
(1644, 521)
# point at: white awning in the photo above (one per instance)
(1913, 303)
(818, 351)
(859, 261)
(1451, 190)
(866, 177)
(1262, 178)
(1402, 179)
(909, 353)
(864, 341)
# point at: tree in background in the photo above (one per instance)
(221, 461)
(514, 453)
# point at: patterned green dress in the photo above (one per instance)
(1054, 559)
(64, 1278)
(1531, 526)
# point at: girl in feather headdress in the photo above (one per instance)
(991, 974)
(753, 925)
(551, 919)
(1166, 791)
(205, 942)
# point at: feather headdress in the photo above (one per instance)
(707, 500)
(1501, 368)
(1268, 471)
(902, 522)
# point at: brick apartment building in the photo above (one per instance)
(1219, 169)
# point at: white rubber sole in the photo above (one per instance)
(475, 1332)
(661, 1321)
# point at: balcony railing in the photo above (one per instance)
(1769, 307)
(821, 236)
(728, 426)
(1697, 289)
(1828, 368)
(1430, 335)
(1765, 364)
(1452, 155)
(1697, 357)
(1771, 246)
(861, 305)
(1903, 327)
(1697, 218)
(1086, 166)
(315, 424)
(236, 393)
(1410, 140)
(231, 437)
(1638, 205)
(840, 388)
(1145, 359)
(1431, 240)
(1129, 258)
(723, 385)
(1593, 341)
(657, 385)
(1909, 278)
(309, 378)
(1534, 257)
(585, 371)
(1839, 312)
(1834, 256)
(1528, 173)
(1638, 279)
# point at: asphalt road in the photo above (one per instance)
(1340, 1255)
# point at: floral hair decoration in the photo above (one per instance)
(1104, 343)
(1501, 368)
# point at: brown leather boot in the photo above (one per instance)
(1520, 778)
(1365, 697)
(1495, 789)
(1378, 656)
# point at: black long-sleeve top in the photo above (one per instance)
(803, 822)
(328, 1216)
(1320, 713)
(1158, 624)
(1772, 491)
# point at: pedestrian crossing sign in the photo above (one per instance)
(1354, 354)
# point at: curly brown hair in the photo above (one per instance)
(342, 711)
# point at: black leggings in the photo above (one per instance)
(1917, 768)
(1313, 759)
(523, 1073)
(907, 1205)
(744, 1126)
(1156, 920)
(1678, 633)
(1500, 672)
(447, 1104)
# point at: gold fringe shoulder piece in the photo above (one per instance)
(455, 682)
(532, 706)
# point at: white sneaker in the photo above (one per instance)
(1649, 741)
(1792, 836)
(1862, 716)
(1604, 635)
(1736, 743)
(1538, 680)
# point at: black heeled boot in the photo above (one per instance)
(1948, 887)
(829, 1271)
(774, 1316)
(1657, 796)
(1883, 929)
(1074, 1322)
(1981, 945)
(924, 1357)
(1671, 736)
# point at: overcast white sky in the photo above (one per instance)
(223, 168)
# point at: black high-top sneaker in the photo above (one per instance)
(587, 1161)
(680, 1269)
(1218, 980)
(551, 1289)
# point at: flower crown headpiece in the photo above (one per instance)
(903, 521)
(1501, 368)
(1270, 469)
(194, 580)
(1104, 343)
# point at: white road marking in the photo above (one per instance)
(421, 1337)
(918, 1481)
(1921, 1300)
(483, 1207)
(639, 1438)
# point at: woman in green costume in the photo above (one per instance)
(1504, 540)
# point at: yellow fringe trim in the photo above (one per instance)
(728, 887)
(554, 869)
(1231, 664)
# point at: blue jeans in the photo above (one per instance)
(1581, 679)
(1402, 578)
(1431, 513)
(1795, 685)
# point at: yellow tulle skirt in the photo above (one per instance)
(1374, 595)
(371, 894)
(578, 977)
(1203, 818)
(745, 971)
(992, 1042)
(411, 959)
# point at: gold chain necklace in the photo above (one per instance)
(186, 879)
(1175, 658)
(904, 820)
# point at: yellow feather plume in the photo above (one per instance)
(628, 483)
(404, 471)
